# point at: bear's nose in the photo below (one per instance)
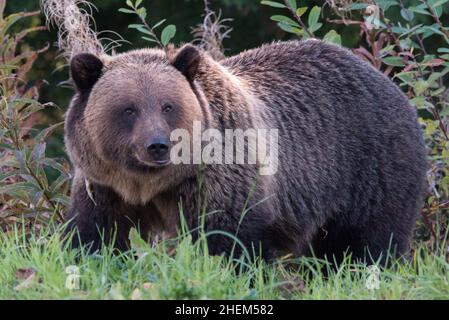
(157, 149)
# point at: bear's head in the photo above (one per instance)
(130, 103)
(134, 101)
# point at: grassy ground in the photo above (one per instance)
(37, 267)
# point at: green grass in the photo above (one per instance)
(189, 273)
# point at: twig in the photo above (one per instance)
(150, 29)
(436, 18)
(298, 18)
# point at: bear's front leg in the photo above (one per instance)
(230, 227)
(101, 216)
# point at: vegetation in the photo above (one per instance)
(407, 40)
(39, 268)
(27, 196)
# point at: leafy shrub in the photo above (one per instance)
(26, 193)
(149, 31)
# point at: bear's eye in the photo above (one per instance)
(130, 111)
(167, 108)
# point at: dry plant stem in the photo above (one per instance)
(344, 21)
(211, 32)
(75, 34)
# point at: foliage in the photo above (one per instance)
(298, 26)
(26, 194)
(412, 48)
(167, 33)
(38, 269)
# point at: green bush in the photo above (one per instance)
(26, 194)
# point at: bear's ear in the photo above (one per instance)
(85, 69)
(187, 60)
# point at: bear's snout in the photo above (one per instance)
(157, 149)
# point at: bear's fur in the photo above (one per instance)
(351, 168)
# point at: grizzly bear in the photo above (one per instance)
(351, 157)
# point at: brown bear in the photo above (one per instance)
(351, 158)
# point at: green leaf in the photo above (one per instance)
(159, 23)
(419, 102)
(420, 86)
(288, 28)
(144, 30)
(13, 189)
(301, 11)
(444, 112)
(358, 6)
(142, 12)
(138, 2)
(439, 3)
(135, 26)
(124, 10)
(167, 34)
(314, 15)
(434, 77)
(332, 37)
(52, 163)
(438, 11)
(273, 4)
(419, 9)
(38, 151)
(59, 182)
(399, 30)
(150, 39)
(387, 49)
(434, 29)
(394, 61)
(62, 199)
(284, 19)
(384, 5)
(129, 3)
(315, 27)
(407, 14)
(44, 133)
(292, 4)
(406, 77)
(410, 31)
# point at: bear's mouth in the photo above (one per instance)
(152, 163)
(161, 163)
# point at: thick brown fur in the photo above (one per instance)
(351, 155)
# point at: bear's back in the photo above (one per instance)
(347, 134)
